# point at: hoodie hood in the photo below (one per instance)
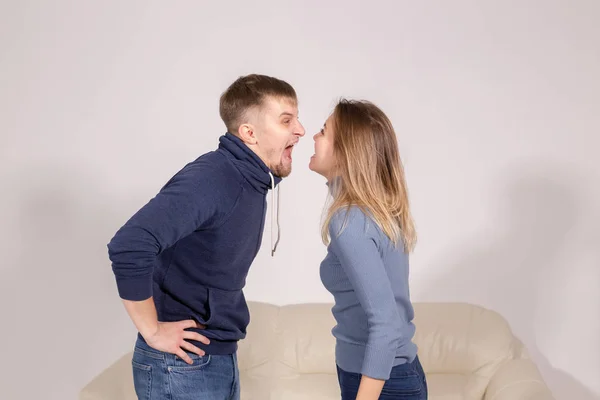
(258, 175)
(254, 170)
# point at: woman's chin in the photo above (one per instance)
(311, 164)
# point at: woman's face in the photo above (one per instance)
(323, 161)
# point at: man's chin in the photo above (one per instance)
(282, 171)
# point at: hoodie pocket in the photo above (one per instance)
(224, 312)
(228, 314)
(196, 307)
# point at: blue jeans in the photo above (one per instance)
(407, 382)
(158, 375)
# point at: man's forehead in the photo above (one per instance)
(280, 106)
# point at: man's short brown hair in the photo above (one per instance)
(247, 92)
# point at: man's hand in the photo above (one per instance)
(170, 338)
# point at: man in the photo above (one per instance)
(181, 261)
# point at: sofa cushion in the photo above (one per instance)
(448, 387)
(325, 387)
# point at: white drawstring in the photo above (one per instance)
(273, 217)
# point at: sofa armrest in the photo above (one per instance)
(518, 379)
(116, 382)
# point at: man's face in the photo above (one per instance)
(276, 130)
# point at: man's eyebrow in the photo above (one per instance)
(287, 114)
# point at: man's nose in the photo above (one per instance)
(300, 130)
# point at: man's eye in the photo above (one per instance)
(287, 121)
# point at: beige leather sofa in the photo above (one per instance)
(467, 352)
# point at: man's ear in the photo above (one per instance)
(246, 132)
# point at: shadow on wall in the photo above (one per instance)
(57, 280)
(520, 266)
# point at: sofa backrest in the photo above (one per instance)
(453, 338)
(457, 343)
(463, 339)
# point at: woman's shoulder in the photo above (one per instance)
(352, 218)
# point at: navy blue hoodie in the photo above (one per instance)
(190, 247)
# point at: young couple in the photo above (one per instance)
(181, 261)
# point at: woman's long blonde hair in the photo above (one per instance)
(369, 172)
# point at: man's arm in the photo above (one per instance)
(189, 201)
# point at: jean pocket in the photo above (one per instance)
(408, 386)
(198, 363)
(142, 380)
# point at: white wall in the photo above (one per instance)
(496, 108)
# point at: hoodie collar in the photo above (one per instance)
(254, 170)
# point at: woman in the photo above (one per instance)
(370, 232)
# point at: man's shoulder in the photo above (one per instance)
(209, 172)
(212, 166)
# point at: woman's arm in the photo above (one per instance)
(369, 388)
(356, 248)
